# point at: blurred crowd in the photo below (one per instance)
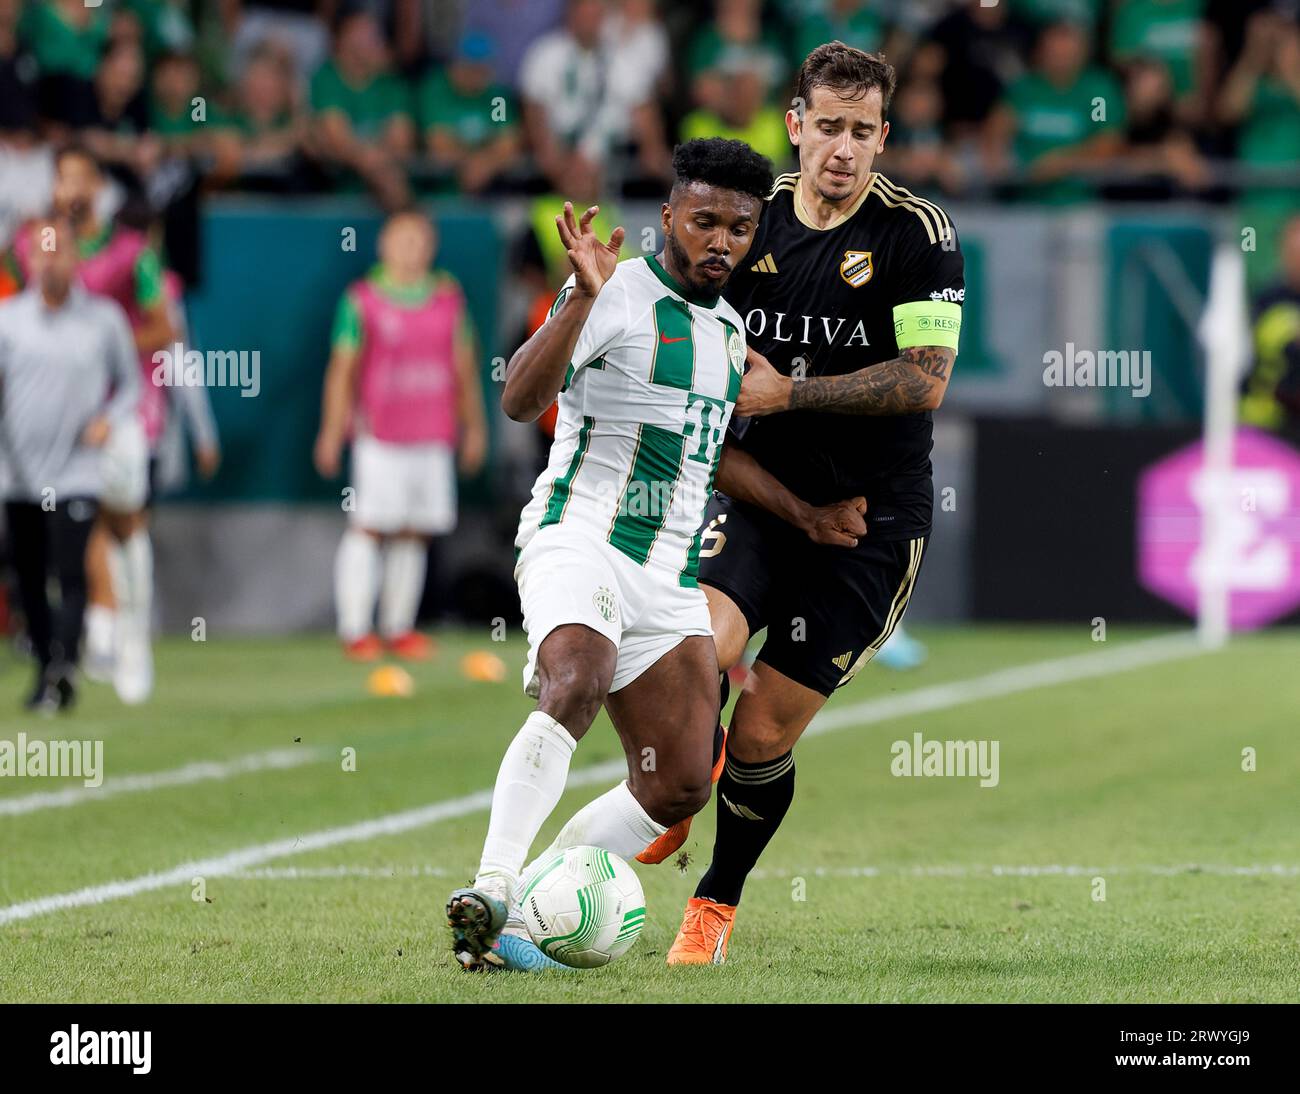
(1052, 100)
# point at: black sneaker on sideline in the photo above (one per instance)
(44, 699)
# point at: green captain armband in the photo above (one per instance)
(927, 323)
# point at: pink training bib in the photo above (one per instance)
(408, 384)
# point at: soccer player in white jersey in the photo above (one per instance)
(646, 359)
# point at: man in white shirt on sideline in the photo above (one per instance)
(68, 375)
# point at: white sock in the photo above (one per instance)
(135, 591)
(356, 576)
(399, 599)
(101, 623)
(615, 821)
(529, 784)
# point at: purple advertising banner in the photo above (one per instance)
(1258, 504)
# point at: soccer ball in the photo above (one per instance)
(584, 907)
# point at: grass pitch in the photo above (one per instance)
(877, 888)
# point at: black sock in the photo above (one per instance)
(752, 802)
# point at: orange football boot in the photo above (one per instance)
(666, 844)
(412, 646)
(365, 648)
(702, 939)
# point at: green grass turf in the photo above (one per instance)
(1121, 776)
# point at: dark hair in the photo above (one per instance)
(729, 165)
(851, 72)
(346, 12)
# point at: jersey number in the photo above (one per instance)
(703, 421)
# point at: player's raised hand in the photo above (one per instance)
(839, 524)
(327, 455)
(473, 450)
(763, 390)
(593, 262)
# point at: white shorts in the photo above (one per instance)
(403, 487)
(124, 466)
(567, 575)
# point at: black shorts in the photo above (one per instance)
(827, 610)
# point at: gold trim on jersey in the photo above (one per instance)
(783, 182)
(937, 225)
(916, 549)
(802, 213)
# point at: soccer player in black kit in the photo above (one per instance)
(851, 296)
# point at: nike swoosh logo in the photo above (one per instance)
(669, 341)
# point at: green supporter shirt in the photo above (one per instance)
(709, 50)
(474, 120)
(58, 46)
(348, 332)
(1087, 13)
(862, 29)
(182, 122)
(369, 107)
(1271, 132)
(241, 121)
(1049, 118)
(1165, 30)
(166, 124)
(166, 26)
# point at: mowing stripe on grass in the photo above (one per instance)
(991, 685)
(1276, 869)
(234, 861)
(202, 771)
(763, 873)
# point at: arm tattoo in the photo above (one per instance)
(904, 385)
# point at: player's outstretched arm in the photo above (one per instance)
(536, 371)
(742, 477)
(913, 381)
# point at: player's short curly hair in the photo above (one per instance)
(727, 164)
(850, 72)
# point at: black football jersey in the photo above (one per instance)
(821, 302)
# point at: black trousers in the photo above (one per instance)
(44, 543)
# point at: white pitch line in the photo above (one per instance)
(202, 771)
(995, 685)
(991, 685)
(311, 873)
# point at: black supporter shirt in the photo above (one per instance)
(822, 302)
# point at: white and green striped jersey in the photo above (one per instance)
(642, 417)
